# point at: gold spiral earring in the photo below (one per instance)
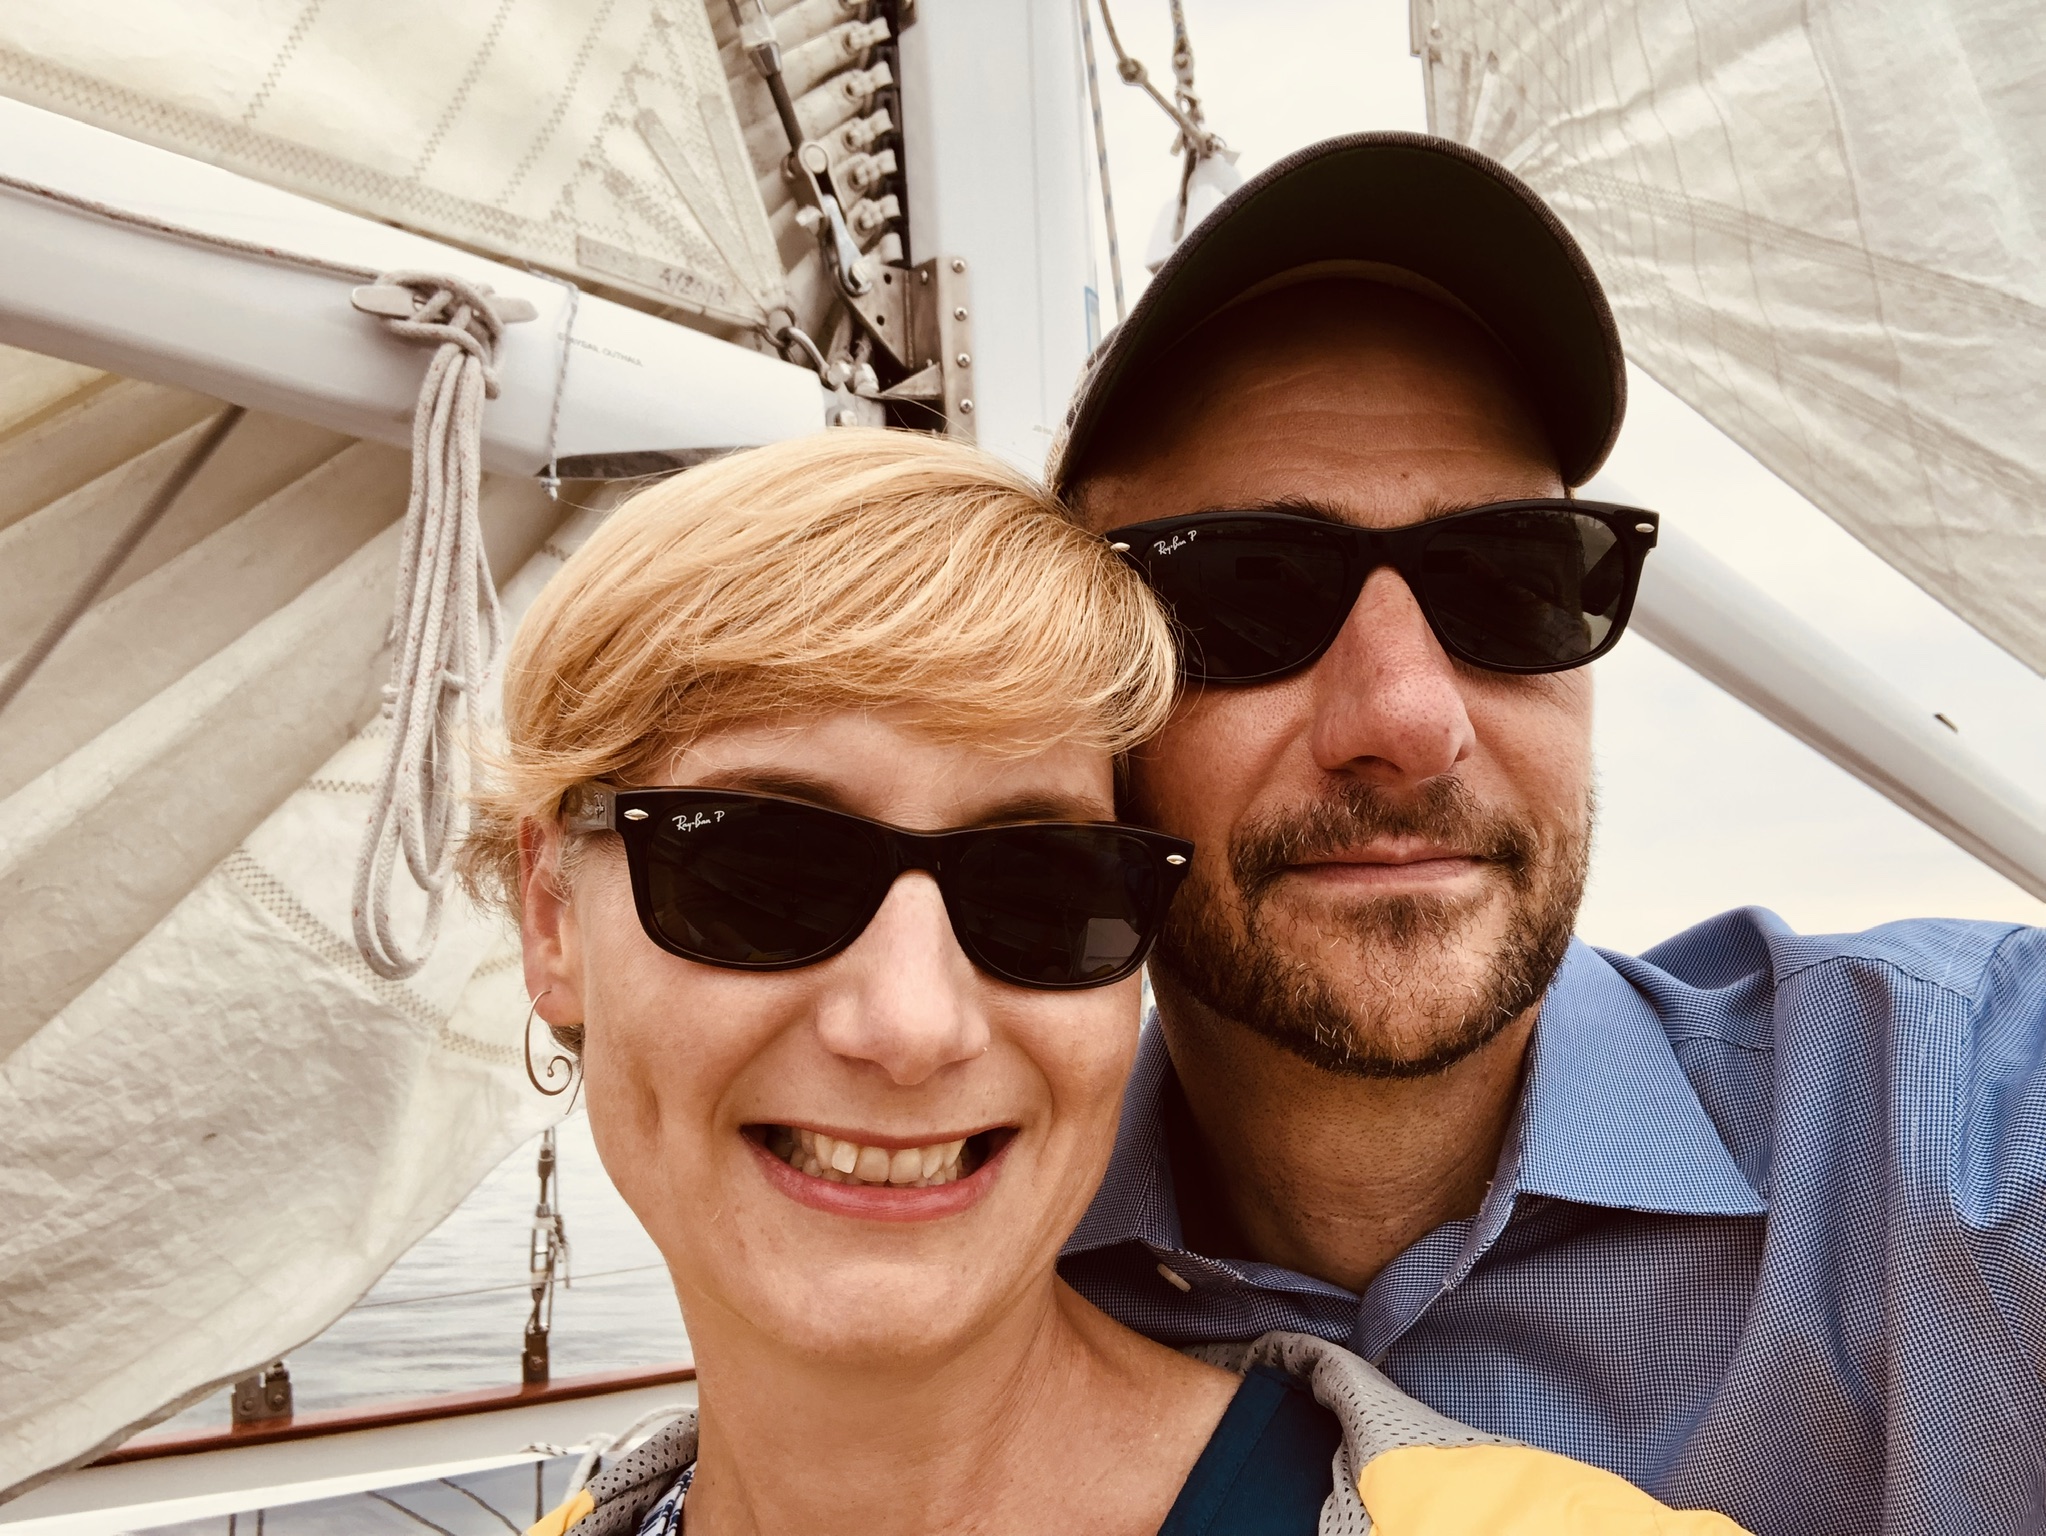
(560, 1062)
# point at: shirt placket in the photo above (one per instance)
(1437, 1264)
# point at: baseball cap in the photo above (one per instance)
(1408, 209)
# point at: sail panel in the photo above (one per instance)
(90, 429)
(223, 1126)
(517, 130)
(48, 552)
(225, 1140)
(155, 630)
(1824, 228)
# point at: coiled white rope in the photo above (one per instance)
(447, 627)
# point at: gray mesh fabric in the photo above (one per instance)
(1376, 1415)
(631, 1485)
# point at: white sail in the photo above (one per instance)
(595, 141)
(222, 1126)
(1824, 228)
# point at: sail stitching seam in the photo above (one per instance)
(271, 894)
(1703, 213)
(275, 897)
(1975, 458)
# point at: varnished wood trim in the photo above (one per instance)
(341, 1421)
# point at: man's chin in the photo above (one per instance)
(1400, 986)
(1367, 935)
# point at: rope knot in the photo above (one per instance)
(443, 310)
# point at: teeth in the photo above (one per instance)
(905, 1166)
(871, 1165)
(847, 1162)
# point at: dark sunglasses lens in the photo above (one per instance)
(1056, 906)
(758, 883)
(1529, 589)
(1251, 599)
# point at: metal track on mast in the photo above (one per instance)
(892, 342)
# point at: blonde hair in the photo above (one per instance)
(855, 569)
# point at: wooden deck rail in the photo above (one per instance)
(341, 1421)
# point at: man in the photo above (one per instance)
(1756, 1220)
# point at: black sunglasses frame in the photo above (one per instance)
(1364, 550)
(635, 815)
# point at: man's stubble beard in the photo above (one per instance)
(1416, 1003)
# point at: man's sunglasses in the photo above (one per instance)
(1517, 586)
(764, 883)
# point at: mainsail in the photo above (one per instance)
(598, 142)
(222, 1124)
(1822, 226)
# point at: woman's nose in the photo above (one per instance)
(904, 996)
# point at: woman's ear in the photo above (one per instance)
(547, 926)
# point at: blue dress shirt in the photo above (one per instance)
(1767, 1236)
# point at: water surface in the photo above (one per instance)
(450, 1316)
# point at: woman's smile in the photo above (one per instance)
(846, 932)
(882, 1178)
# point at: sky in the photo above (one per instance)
(1704, 805)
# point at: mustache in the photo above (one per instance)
(1444, 810)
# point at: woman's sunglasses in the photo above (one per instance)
(763, 883)
(1518, 586)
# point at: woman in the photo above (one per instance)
(807, 815)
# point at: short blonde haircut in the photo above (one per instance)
(857, 569)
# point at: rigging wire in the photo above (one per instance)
(482, 1503)
(1101, 154)
(1182, 65)
(117, 553)
(156, 226)
(551, 480)
(1197, 142)
(546, 1253)
(1189, 102)
(1198, 139)
(410, 1514)
(493, 1290)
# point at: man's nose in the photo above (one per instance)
(904, 996)
(1388, 705)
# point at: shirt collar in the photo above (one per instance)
(1136, 1199)
(1607, 1118)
